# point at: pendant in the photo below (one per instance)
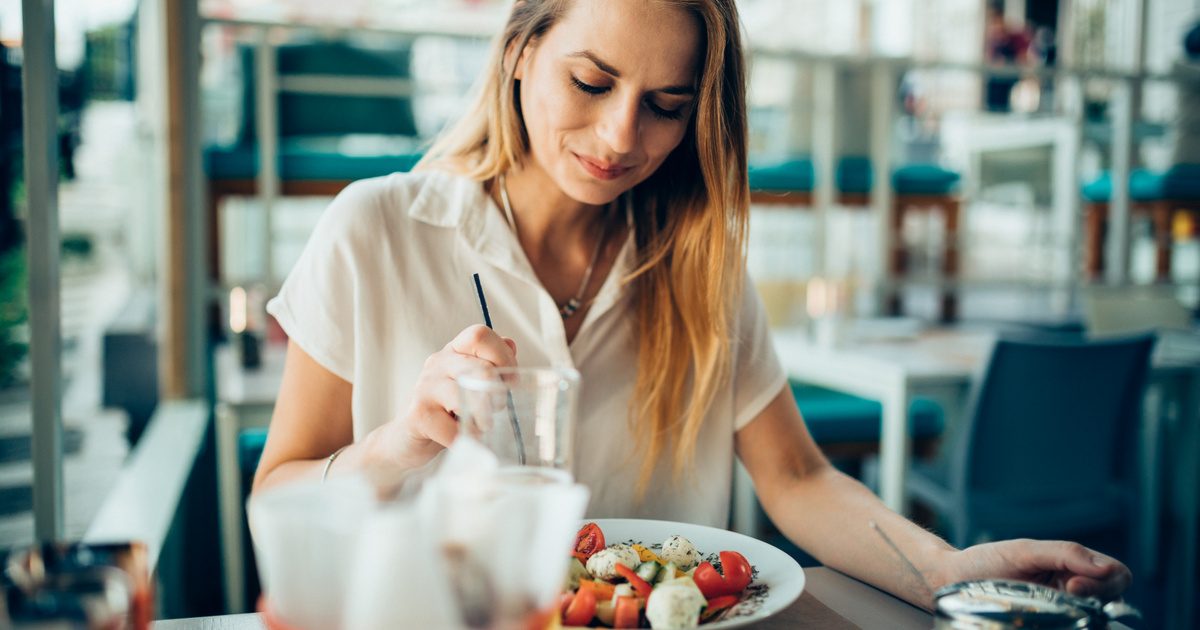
(569, 309)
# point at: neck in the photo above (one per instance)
(548, 222)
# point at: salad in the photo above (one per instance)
(633, 586)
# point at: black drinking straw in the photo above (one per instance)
(487, 319)
(512, 409)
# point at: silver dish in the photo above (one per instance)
(1002, 604)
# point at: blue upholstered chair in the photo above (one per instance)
(847, 426)
(788, 182)
(1160, 194)
(1049, 445)
(326, 141)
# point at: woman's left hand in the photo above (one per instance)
(1064, 565)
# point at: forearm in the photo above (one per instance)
(349, 459)
(367, 457)
(829, 515)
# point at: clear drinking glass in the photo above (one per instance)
(526, 416)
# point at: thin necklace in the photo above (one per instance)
(576, 302)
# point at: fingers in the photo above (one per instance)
(1085, 571)
(1107, 588)
(437, 385)
(1073, 557)
(435, 423)
(483, 343)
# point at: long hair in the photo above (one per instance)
(689, 222)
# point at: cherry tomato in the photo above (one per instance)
(582, 608)
(736, 569)
(640, 586)
(588, 541)
(626, 614)
(712, 584)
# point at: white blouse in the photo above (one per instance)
(385, 281)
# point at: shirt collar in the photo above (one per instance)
(465, 205)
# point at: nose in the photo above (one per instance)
(619, 126)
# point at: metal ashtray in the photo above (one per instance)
(1002, 604)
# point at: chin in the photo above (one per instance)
(594, 192)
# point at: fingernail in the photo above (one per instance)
(1099, 561)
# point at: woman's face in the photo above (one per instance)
(607, 93)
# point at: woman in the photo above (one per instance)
(599, 187)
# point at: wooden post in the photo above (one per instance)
(183, 357)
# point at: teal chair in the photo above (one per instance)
(1162, 195)
(250, 445)
(1048, 449)
(788, 182)
(314, 127)
(848, 427)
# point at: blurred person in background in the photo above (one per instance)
(1004, 45)
(598, 185)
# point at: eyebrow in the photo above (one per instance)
(682, 90)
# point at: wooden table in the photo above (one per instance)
(830, 601)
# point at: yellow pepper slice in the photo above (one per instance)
(645, 555)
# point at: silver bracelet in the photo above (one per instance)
(329, 462)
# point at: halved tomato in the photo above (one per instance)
(582, 608)
(737, 574)
(626, 614)
(588, 541)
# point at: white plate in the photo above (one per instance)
(779, 574)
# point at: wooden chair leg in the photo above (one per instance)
(951, 210)
(1160, 213)
(1095, 220)
(898, 260)
(215, 197)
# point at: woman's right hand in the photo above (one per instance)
(429, 424)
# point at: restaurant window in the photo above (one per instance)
(107, 262)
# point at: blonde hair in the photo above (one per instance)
(690, 230)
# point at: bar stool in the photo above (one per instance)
(925, 187)
(1164, 196)
(786, 183)
(853, 179)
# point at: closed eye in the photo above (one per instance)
(587, 87)
(658, 112)
(665, 114)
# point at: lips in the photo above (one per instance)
(601, 170)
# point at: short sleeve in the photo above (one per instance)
(758, 375)
(316, 305)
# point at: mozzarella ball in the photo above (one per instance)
(680, 552)
(604, 563)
